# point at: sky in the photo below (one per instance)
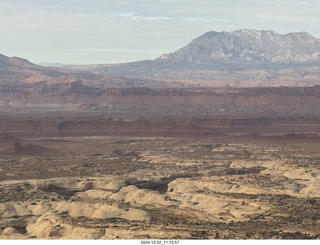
(116, 31)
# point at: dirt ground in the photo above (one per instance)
(232, 184)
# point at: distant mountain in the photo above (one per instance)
(25, 86)
(6, 62)
(19, 72)
(239, 58)
(243, 58)
(248, 46)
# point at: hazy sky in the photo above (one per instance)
(109, 31)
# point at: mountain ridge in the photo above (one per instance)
(242, 58)
(20, 73)
(6, 61)
(248, 45)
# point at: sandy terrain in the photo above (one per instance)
(118, 187)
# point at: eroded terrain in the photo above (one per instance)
(129, 187)
(218, 140)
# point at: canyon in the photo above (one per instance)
(218, 140)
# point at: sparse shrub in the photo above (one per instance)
(312, 201)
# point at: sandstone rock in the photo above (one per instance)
(135, 196)
(101, 211)
(49, 226)
(93, 194)
(44, 225)
(11, 209)
(39, 208)
(12, 233)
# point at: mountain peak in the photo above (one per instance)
(252, 32)
(248, 45)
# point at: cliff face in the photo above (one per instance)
(250, 101)
(161, 112)
(215, 101)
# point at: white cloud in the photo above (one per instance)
(135, 16)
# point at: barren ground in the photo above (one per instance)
(185, 180)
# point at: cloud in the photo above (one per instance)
(135, 16)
